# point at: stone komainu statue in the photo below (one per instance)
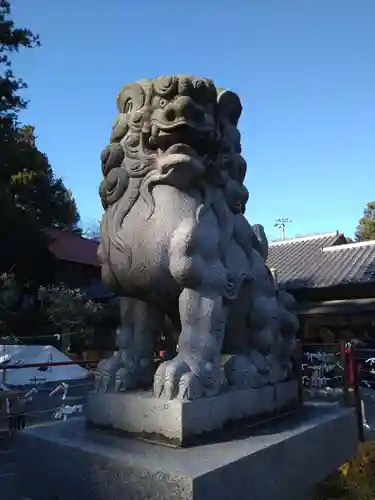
(175, 244)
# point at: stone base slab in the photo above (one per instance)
(283, 460)
(179, 422)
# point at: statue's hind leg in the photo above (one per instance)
(132, 365)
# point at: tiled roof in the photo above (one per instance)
(71, 247)
(321, 261)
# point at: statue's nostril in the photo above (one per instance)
(198, 115)
(170, 115)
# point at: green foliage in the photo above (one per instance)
(8, 290)
(11, 40)
(63, 309)
(366, 227)
(31, 197)
(68, 310)
(355, 480)
(9, 293)
(35, 189)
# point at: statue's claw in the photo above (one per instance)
(115, 381)
(177, 379)
(102, 381)
(125, 380)
(105, 376)
(190, 387)
(119, 373)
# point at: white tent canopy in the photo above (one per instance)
(27, 354)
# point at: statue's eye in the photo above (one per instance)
(162, 102)
(128, 106)
(132, 141)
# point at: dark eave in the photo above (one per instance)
(348, 306)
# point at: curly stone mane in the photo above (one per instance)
(133, 163)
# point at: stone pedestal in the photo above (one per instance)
(282, 460)
(184, 422)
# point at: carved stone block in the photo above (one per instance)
(180, 421)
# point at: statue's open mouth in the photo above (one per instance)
(180, 140)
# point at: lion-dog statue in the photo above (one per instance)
(175, 244)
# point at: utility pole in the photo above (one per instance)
(281, 222)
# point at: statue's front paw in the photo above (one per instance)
(115, 374)
(185, 378)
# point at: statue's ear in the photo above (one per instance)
(261, 243)
(132, 97)
(229, 105)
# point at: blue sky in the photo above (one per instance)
(304, 69)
